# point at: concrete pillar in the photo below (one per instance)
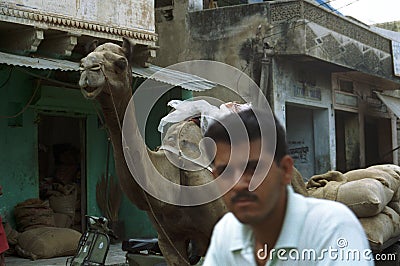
(361, 122)
(394, 139)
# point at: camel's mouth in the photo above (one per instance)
(91, 92)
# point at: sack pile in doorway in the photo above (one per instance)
(372, 194)
(47, 242)
(62, 199)
(43, 225)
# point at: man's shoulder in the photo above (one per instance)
(229, 226)
(230, 233)
(333, 211)
(228, 222)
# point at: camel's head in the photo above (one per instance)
(106, 70)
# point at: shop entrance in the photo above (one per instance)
(378, 141)
(347, 141)
(61, 154)
(300, 138)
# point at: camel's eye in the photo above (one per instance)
(81, 68)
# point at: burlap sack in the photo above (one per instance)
(325, 186)
(329, 191)
(365, 197)
(33, 213)
(298, 184)
(395, 205)
(48, 242)
(389, 180)
(323, 179)
(62, 220)
(396, 195)
(63, 204)
(390, 168)
(381, 227)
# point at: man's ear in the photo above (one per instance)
(286, 166)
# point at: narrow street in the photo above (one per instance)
(115, 257)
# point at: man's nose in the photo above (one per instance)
(242, 181)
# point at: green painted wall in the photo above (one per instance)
(136, 221)
(18, 145)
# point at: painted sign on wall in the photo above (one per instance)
(298, 151)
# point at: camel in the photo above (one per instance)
(106, 77)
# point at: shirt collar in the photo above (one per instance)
(242, 238)
(295, 214)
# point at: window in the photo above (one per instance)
(346, 86)
(164, 4)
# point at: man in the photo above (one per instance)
(272, 225)
(3, 238)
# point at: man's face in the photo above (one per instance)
(256, 206)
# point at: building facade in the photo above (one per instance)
(43, 113)
(321, 72)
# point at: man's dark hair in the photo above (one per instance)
(248, 118)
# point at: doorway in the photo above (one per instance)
(300, 138)
(62, 179)
(378, 141)
(347, 141)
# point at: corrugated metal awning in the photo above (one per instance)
(38, 62)
(173, 77)
(168, 76)
(391, 102)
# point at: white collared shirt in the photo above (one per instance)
(314, 232)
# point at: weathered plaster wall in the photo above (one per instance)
(174, 39)
(234, 35)
(131, 14)
(230, 35)
(307, 87)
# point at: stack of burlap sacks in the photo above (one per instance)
(63, 201)
(44, 226)
(373, 194)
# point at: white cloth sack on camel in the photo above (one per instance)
(207, 112)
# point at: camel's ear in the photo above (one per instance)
(128, 48)
(89, 47)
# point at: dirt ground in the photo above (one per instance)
(115, 257)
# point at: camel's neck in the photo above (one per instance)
(113, 112)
